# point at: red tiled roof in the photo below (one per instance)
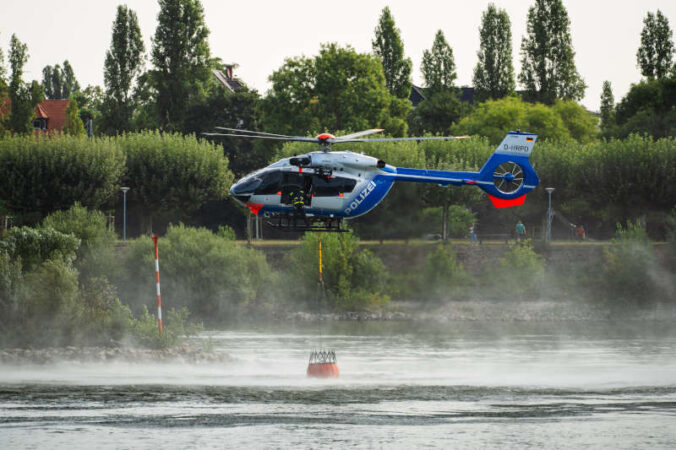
(40, 112)
(55, 111)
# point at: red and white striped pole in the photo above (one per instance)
(157, 277)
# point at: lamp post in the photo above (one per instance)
(550, 214)
(124, 217)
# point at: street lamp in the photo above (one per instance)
(124, 219)
(550, 214)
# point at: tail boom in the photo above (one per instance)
(507, 176)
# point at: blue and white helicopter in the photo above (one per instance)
(338, 185)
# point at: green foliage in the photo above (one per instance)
(494, 73)
(548, 70)
(437, 113)
(339, 89)
(59, 83)
(354, 278)
(33, 246)
(123, 64)
(648, 108)
(629, 268)
(459, 221)
(438, 65)
(172, 174)
(22, 97)
(521, 271)
(174, 330)
(388, 46)
(495, 118)
(654, 56)
(73, 125)
(443, 274)
(39, 176)
(95, 256)
(581, 125)
(50, 309)
(607, 108)
(209, 274)
(226, 232)
(181, 57)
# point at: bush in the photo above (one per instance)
(203, 271)
(521, 271)
(172, 175)
(38, 176)
(354, 278)
(630, 268)
(175, 329)
(33, 246)
(443, 275)
(95, 257)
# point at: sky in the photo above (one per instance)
(258, 35)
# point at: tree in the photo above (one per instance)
(494, 118)
(607, 107)
(494, 73)
(548, 69)
(648, 108)
(73, 125)
(339, 89)
(59, 83)
(388, 46)
(437, 113)
(123, 63)
(181, 56)
(171, 176)
(23, 97)
(438, 65)
(654, 56)
(39, 176)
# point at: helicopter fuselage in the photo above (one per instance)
(338, 185)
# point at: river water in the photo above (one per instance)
(402, 385)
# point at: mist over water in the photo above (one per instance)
(460, 385)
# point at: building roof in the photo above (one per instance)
(55, 111)
(416, 95)
(227, 79)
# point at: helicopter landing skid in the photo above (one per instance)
(291, 223)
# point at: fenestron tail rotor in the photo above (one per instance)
(508, 177)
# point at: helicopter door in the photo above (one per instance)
(292, 182)
(329, 192)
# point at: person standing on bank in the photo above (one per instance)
(520, 231)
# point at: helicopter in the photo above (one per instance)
(342, 185)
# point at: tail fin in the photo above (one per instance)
(508, 176)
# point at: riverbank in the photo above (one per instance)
(181, 354)
(490, 311)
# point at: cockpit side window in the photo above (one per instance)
(270, 183)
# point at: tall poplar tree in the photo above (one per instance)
(73, 125)
(494, 73)
(181, 57)
(548, 69)
(59, 82)
(655, 54)
(21, 115)
(123, 64)
(607, 107)
(389, 47)
(438, 65)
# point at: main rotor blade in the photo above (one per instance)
(358, 134)
(262, 133)
(435, 138)
(271, 138)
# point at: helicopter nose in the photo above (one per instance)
(237, 194)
